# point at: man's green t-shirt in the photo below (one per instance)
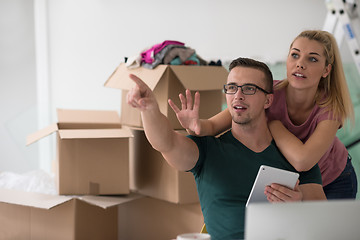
(224, 175)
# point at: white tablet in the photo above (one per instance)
(268, 175)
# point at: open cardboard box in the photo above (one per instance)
(92, 152)
(25, 215)
(152, 176)
(167, 81)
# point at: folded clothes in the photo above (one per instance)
(149, 55)
(168, 52)
(159, 57)
(182, 53)
(192, 60)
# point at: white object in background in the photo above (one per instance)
(46, 147)
(339, 21)
(193, 236)
(37, 181)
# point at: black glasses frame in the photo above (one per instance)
(247, 84)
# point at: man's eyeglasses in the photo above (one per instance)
(246, 89)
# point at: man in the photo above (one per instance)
(225, 168)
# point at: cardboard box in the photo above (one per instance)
(25, 215)
(92, 152)
(149, 218)
(152, 176)
(167, 81)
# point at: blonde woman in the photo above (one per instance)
(309, 106)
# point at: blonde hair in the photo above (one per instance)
(332, 93)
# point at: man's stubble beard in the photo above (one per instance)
(241, 120)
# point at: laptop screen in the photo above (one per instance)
(312, 220)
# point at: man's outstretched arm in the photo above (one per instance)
(178, 150)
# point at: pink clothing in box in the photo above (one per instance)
(148, 55)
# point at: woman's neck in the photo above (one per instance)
(303, 99)
(299, 103)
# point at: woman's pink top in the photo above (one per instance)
(333, 162)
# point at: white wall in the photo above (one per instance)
(18, 108)
(87, 39)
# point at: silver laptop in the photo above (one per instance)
(320, 220)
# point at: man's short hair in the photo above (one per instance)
(251, 63)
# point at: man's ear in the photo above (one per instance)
(269, 100)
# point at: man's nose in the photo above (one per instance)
(239, 94)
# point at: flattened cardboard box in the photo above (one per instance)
(152, 176)
(167, 81)
(29, 216)
(25, 215)
(92, 152)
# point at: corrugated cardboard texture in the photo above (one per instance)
(151, 175)
(168, 81)
(149, 218)
(92, 152)
(14, 222)
(93, 166)
(103, 222)
(41, 133)
(31, 199)
(87, 119)
(93, 133)
(72, 220)
(87, 116)
(120, 77)
(191, 77)
(201, 78)
(78, 119)
(56, 223)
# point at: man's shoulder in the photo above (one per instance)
(211, 139)
(201, 138)
(223, 135)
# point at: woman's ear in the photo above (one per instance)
(327, 70)
(269, 100)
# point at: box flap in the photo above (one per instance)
(120, 78)
(41, 133)
(201, 77)
(31, 199)
(88, 116)
(47, 201)
(106, 201)
(95, 133)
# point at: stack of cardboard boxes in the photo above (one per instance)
(99, 154)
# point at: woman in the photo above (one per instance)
(309, 106)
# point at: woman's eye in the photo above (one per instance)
(312, 59)
(294, 55)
